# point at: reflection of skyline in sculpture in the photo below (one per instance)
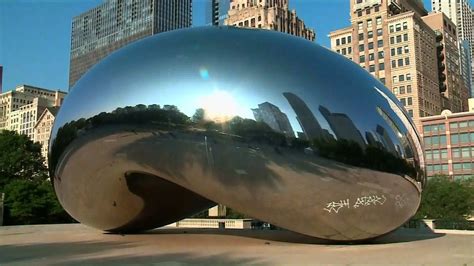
(342, 126)
(273, 117)
(308, 122)
(386, 140)
(411, 134)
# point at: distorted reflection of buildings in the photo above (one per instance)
(342, 126)
(273, 117)
(386, 139)
(306, 119)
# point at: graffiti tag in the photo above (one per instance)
(363, 201)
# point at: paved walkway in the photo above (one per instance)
(78, 244)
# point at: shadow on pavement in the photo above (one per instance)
(94, 253)
(398, 236)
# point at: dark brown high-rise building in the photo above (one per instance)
(115, 23)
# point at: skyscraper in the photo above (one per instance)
(342, 126)
(451, 84)
(115, 23)
(216, 12)
(267, 14)
(462, 14)
(308, 122)
(466, 65)
(392, 42)
(271, 115)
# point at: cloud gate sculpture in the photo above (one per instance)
(271, 125)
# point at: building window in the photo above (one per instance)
(349, 39)
(381, 66)
(400, 62)
(378, 20)
(343, 40)
(399, 38)
(371, 45)
(454, 138)
(362, 59)
(405, 25)
(372, 68)
(392, 52)
(361, 47)
(407, 61)
(456, 153)
(369, 23)
(409, 90)
(380, 43)
(361, 36)
(379, 32)
(401, 78)
(408, 77)
(381, 54)
(409, 101)
(402, 89)
(392, 40)
(370, 34)
(394, 63)
(405, 37)
(392, 29)
(360, 25)
(398, 27)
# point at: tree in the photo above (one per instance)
(32, 202)
(20, 159)
(29, 196)
(445, 199)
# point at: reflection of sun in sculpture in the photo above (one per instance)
(204, 73)
(198, 139)
(220, 106)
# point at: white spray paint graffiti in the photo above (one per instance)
(401, 201)
(364, 201)
(336, 206)
(369, 200)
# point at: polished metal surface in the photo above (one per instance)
(271, 125)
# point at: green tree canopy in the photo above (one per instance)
(32, 202)
(29, 196)
(20, 159)
(445, 199)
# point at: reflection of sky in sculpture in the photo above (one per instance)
(232, 75)
(163, 113)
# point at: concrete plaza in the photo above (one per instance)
(78, 244)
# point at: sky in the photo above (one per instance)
(35, 35)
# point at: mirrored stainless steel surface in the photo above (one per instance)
(271, 125)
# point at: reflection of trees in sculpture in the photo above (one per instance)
(372, 157)
(245, 130)
(168, 117)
